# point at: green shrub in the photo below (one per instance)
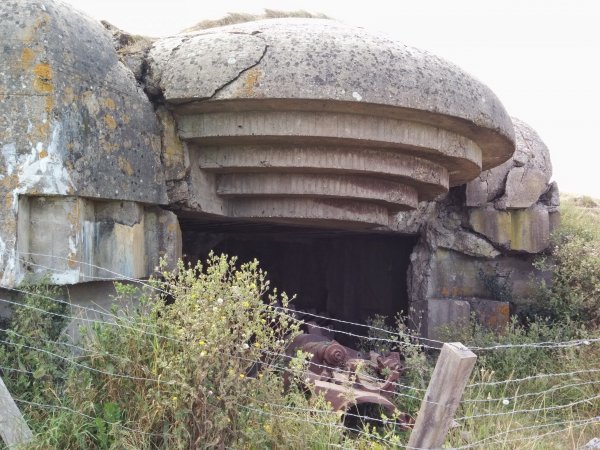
(574, 264)
(196, 365)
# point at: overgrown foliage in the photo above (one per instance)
(194, 365)
(574, 262)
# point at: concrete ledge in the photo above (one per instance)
(309, 211)
(429, 178)
(393, 195)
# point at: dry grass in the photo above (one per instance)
(233, 18)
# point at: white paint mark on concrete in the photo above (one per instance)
(357, 96)
(7, 264)
(46, 175)
(231, 61)
(9, 154)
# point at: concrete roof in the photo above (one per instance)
(323, 65)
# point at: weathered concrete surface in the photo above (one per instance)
(440, 318)
(520, 181)
(73, 120)
(454, 275)
(297, 59)
(289, 98)
(526, 230)
(493, 314)
(72, 239)
(434, 318)
(274, 121)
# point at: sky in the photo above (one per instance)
(540, 57)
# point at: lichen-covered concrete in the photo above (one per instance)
(479, 228)
(520, 181)
(73, 120)
(72, 239)
(298, 101)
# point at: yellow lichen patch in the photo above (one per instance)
(43, 154)
(251, 80)
(27, 57)
(42, 87)
(109, 103)
(43, 78)
(125, 118)
(171, 228)
(125, 166)
(43, 71)
(110, 121)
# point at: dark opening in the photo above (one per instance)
(344, 275)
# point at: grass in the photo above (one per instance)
(235, 18)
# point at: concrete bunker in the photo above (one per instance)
(265, 139)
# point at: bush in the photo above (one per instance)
(196, 365)
(574, 293)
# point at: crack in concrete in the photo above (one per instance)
(240, 73)
(228, 83)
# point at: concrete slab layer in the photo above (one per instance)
(429, 178)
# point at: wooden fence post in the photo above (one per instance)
(445, 390)
(13, 428)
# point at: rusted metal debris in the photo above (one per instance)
(348, 377)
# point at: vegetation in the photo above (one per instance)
(197, 364)
(234, 18)
(188, 368)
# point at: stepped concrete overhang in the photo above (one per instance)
(313, 121)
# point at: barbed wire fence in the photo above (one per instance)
(489, 412)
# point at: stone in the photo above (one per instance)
(551, 198)
(526, 230)
(488, 186)
(434, 318)
(441, 316)
(492, 314)
(593, 444)
(104, 149)
(554, 221)
(454, 275)
(493, 224)
(528, 180)
(251, 61)
(98, 240)
(73, 121)
(520, 181)
(530, 229)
